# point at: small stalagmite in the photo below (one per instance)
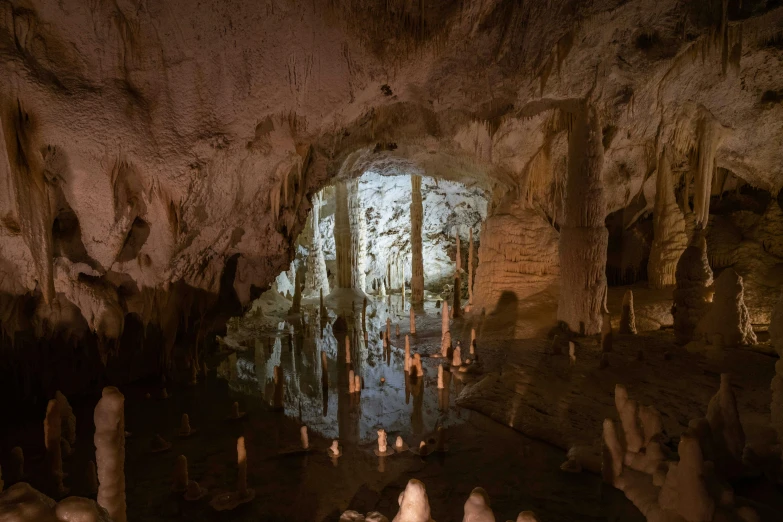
(158, 444)
(628, 318)
(110, 452)
(444, 319)
(527, 516)
(399, 445)
(243, 494)
(477, 507)
(52, 434)
(572, 353)
(606, 333)
(445, 344)
(412, 321)
(334, 449)
(194, 491)
(242, 467)
(185, 430)
(383, 448)
(15, 473)
(304, 438)
(407, 361)
(68, 419)
(726, 322)
(611, 454)
(180, 477)
(440, 377)
(456, 358)
(414, 504)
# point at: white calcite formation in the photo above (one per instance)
(668, 227)
(726, 322)
(316, 279)
(414, 504)
(665, 490)
(110, 452)
(694, 289)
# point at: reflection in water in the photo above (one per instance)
(312, 383)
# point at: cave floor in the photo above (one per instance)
(519, 472)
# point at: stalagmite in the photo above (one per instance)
(383, 448)
(628, 319)
(347, 350)
(445, 345)
(194, 491)
(693, 291)
(414, 504)
(184, 427)
(358, 234)
(726, 322)
(444, 319)
(351, 382)
(417, 260)
(110, 452)
(158, 444)
(456, 358)
(334, 449)
(399, 445)
(727, 433)
(52, 434)
(235, 413)
(180, 477)
(412, 321)
(670, 239)
(357, 384)
(472, 343)
(527, 516)
(440, 377)
(583, 236)
(342, 239)
(477, 507)
(316, 279)
(612, 453)
(68, 419)
(685, 490)
(243, 494)
(407, 360)
(304, 438)
(606, 333)
(572, 352)
(470, 268)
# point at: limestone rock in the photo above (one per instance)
(694, 289)
(726, 322)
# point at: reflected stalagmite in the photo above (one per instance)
(110, 452)
(440, 377)
(407, 360)
(412, 321)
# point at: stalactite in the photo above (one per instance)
(457, 308)
(342, 238)
(709, 138)
(668, 227)
(417, 261)
(358, 227)
(316, 279)
(583, 237)
(470, 268)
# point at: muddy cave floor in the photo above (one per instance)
(526, 386)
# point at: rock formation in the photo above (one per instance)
(52, 432)
(417, 261)
(728, 437)
(694, 289)
(470, 269)
(180, 476)
(477, 507)
(669, 228)
(316, 280)
(726, 322)
(628, 318)
(110, 452)
(414, 504)
(583, 236)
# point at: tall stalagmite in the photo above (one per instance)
(110, 452)
(316, 279)
(342, 238)
(417, 261)
(583, 236)
(358, 234)
(670, 239)
(694, 288)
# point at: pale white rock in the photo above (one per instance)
(477, 508)
(110, 452)
(414, 504)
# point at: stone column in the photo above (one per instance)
(417, 261)
(342, 238)
(470, 268)
(316, 279)
(457, 307)
(670, 239)
(583, 236)
(358, 234)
